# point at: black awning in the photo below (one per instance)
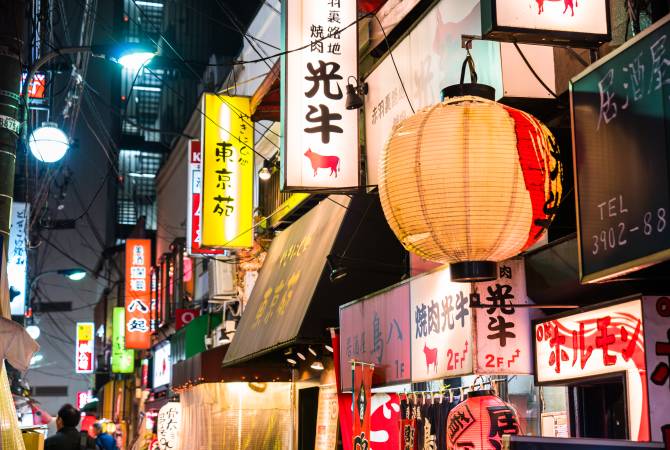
(294, 301)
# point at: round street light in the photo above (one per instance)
(48, 143)
(33, 331)
(73, 274)
(134, 61)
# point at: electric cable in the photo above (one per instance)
(537, 77)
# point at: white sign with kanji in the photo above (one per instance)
(657, 342)
(320, 139)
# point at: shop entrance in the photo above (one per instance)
(308, 403)
(599, 409)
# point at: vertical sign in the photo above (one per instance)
(83, 398)
(502, 331)
(138, 293)
(123, 361)
(598, 342)
(362, 398)
(84, 347)
(326, 418)
(657, 342)
(441, 327)
(17, 260)
(162, 367)
(227, 172)
(320, 137)
(194, 201)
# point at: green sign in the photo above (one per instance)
(123, 360)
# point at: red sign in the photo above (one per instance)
(83, 397)
(376, 331)
(84, 347)
(37, 88)
(138, 294)
(184, 317)
(362, 399)
(193, 225)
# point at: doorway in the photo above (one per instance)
(308, 403)
(599, 409)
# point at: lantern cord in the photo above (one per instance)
(537, 77)
(470, 63)
(402, 84)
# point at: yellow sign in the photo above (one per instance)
(228, 172)
(84, 331)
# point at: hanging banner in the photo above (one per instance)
(362, 398)
(326, 418)
(503, 332)
(376, 330)
(84, 347)
(227, 172)
(441, 327)
(319, 145)
(597, 341)
(17, 258)
(123, 360)
(184, 316)
(657, 343)
(138, 294)
(194, 202)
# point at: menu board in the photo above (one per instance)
(620, 144)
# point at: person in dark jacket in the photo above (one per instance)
(103, 440)
(68, 437)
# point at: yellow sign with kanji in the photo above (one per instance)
(228, 171)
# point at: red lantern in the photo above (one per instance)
(480, 421)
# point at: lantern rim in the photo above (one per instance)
(473, 271)
(469, 89)
(482, 393)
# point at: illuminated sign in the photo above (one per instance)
(17, 259)
(228, 172)
(193, 219)
(37, 88)
(84, 347)
(138, 294)
(597, 342)
(168, 426)
(83, 398)
(546, 21)
(123, 361)
(162, 367)
(319, 146)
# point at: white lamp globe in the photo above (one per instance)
(135, 61)
(48, 143)
(33, 331)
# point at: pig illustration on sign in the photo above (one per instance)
(567, 3)
(431, 357)
(323, 162)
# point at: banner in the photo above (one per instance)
(194, 202)
(123, 361)
(362, 398)
(17, 258)
(184, 316)
(84, 348)
(138, 294)
(227, 172)
(326, 418)
(319, 145)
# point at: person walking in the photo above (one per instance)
(103, 440)
(68, 437)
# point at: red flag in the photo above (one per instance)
(362, 405)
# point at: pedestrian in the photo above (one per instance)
(68, 437)
(103, 440)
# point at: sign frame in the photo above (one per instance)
(632, 264)
(491, 30)
(284, 184)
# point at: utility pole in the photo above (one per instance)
(11, 45)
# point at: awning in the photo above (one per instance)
(294, 300)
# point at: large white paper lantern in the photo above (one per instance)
(470, 182)
(168, 426)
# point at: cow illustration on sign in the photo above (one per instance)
(323, 162)
(567, 3)
(431, 357)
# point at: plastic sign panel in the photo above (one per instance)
(502, 331)
(138, 294)
(547, 21)
(83, 398)
(227, 172)
(84, 347)
(319, 144)
(657, 342)
(441, 327)
(194, 201)
(123, 360)
(162, 367)
(17, 258)
(598, 342)
(184, 317)
(37, 88)
(326, 418)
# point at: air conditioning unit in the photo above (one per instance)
(224, 333)
(222, 280)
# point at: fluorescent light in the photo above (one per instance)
(142, 175)
(150, 4)
(147, 88)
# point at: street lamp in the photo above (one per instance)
(131, 56)
(74, 274)
(48, 143)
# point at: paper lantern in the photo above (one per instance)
(470, 182)
(480, 421)
(168, 426)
